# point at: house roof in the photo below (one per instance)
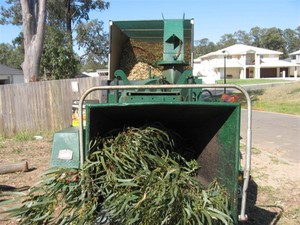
(276, 63)
(91, 74)
(6, 70)
(295, 53)
(240, 49)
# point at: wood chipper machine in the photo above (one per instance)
(174, 98)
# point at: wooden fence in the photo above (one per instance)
(42, 106)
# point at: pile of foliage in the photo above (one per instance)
(135, 176)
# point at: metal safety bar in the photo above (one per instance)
(247, 168)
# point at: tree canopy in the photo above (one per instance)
(273, 38)
(64, 17)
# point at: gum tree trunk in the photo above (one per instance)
(34, 18)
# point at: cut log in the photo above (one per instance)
(14, 167)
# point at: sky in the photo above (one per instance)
(213, 18)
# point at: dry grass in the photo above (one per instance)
(274, 191)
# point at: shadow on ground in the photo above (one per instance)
(7, 190)
(260, 215)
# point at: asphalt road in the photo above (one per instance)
(279, 134)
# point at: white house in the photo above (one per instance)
(242, 62)
(295, 58)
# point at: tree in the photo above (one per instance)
(32, 15)
(273, 40)
(298, 31)
(291, 39)
(69, 16)
(92, 38)
(65, 16)
(90, 63)
(58, 61)
(242, 37)
(13, 14)
(34, 18)
(203, 47)
(256, 34)
(11, 55)
(227, 40)
(5, 53)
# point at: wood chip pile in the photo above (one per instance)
(137, 56)
(140, 71)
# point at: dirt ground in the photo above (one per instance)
(273, 196)
(274, 190)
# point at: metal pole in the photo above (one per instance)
(226, 54)
(224, 73)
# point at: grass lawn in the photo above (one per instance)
(250, 81)
(282, 99)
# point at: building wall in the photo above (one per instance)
(11, 79)
(17, 79)
(4, 79)
(232, 73)
(295, 59)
